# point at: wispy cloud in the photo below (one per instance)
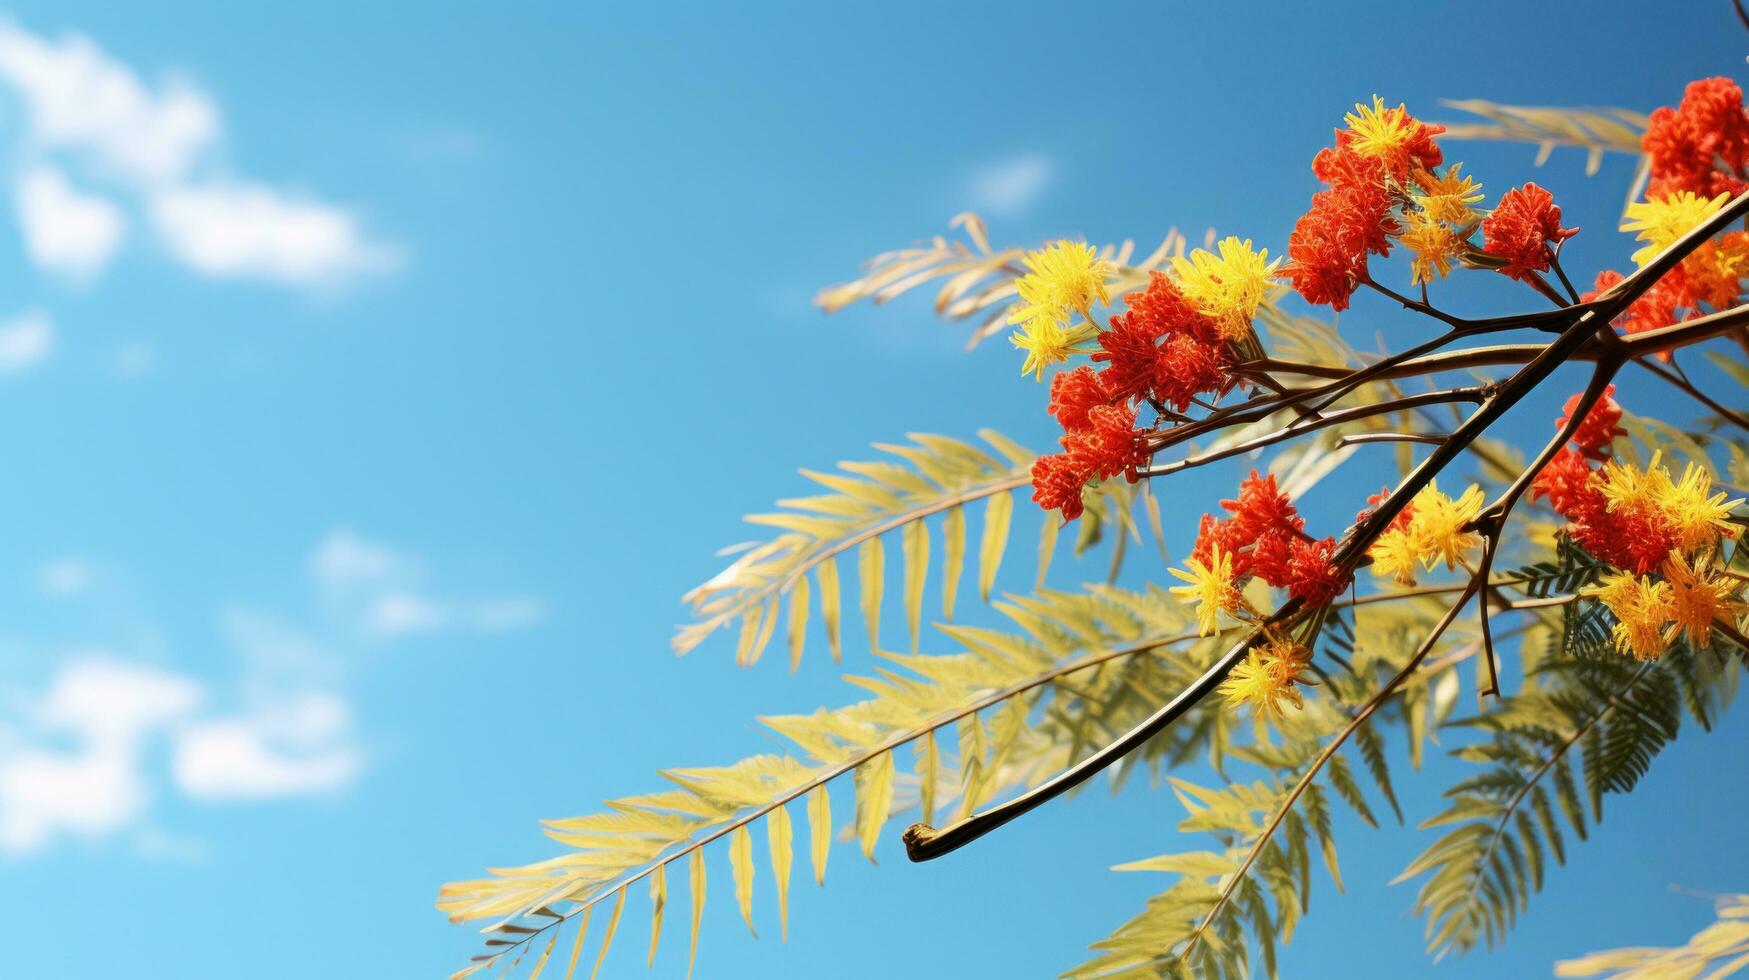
(1009, 187)
(26, 341)
(65, 577)
(292, 748)
(383, 592)
(161, 148)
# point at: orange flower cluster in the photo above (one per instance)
(1265, 537)
(1523, 229)
(1701, 145)
(1161, 350)
(1633, 518)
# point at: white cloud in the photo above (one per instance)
(295, 748)
(373, 587)
(66, 232)
(65, 577)
(163, 144)
(79, 762)
(1010, 187)
(251, 231)
(25, 341)
(343, 560)
(107, 707)
(78, 98)
(397, 613)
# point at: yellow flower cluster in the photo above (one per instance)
(1695, 514)
(1228, 289)
(1440, 225)
(1449, 197)
(1062, 278)
(1212, 589)
(1659, 223)
(1267, 677)
(1434, 533)
(1378, 131)
(1650, 615)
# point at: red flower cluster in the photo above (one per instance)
(1686, 143)
(1327, 252)
(1099, 441)
(1598, 429)
(1160, 349)
(1636, 539)
(1265, 536)
(1523, 230)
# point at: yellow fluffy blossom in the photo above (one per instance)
(1433, 534)
(1211, 588)
(1267, 677)
(1437, 248)
(1661, 222)
(1449, 197)
(1062, 278)
(1696, 515)
(1230, 288)
(1395, 554)
(1378, 131)
(1627, 488)
(1642, 609)
(1047, 342)
(1698, 596)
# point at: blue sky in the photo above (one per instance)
(380, 378)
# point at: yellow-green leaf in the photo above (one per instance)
(827, 573)
(619, 905)
(741, 868)
(953, 558)
(874, 799)
(779, 837)
(658, 901)
(870, 572)
(819, 830)
(914, 543)
(541, 964)
(798, 621)
(1047, 546)
(697, 889)
(750, 623)
(998, 513)
(929, 774)
(577, 944)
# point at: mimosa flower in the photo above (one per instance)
(1698, 596)
(1642, 609)
(1393, 137)
(1598, 429)
(1057, 482)
(1062, 278)
(1074, 394)
(1048, 342)
(1429, 532)
(1523, 229)
(1696, 515)
(1212, 588)
(1661, 221)
(1686, 144)
(1449, 198)
(1267, 678)
(1230, 288)
(1437, 248)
